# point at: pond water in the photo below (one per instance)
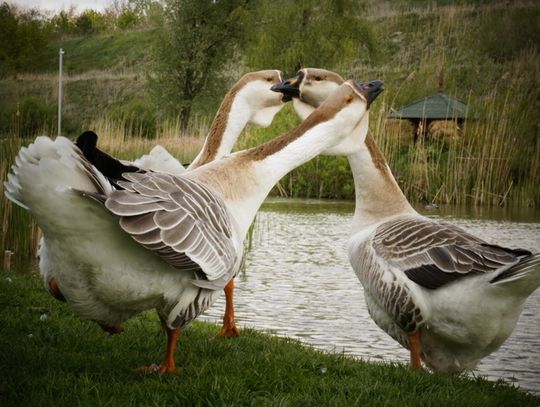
(298, 283)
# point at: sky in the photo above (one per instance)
(57, 5)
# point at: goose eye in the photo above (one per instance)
(318, 78)
(349, 99)
(268, 79)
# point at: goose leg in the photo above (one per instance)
(55, 291)
(414, 346)
(167, 366)
(229, 328)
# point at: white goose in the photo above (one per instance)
(249, 101)
(164, 242)
(448, 296)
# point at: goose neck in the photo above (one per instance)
(231, 118)
(378, 196)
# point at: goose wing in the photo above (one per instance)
(432, 253)
(181, 221)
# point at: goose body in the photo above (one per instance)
(165, 242)
(448, 296)
(249, 101)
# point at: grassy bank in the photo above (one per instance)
(48, 356)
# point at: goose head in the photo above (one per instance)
(258, 98)
(320, 85)
(309, 88)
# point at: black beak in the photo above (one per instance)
(369, 90)
(290, 87)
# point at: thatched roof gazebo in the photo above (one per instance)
(423, 112)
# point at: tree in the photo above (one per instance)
(198, 39)
(317, 33)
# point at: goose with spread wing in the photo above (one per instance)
(164, 242)
(248, 101)
(449, 297)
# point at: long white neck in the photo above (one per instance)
(378, 195)
(228, 123)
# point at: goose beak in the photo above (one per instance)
(369, 90)
(290, 88)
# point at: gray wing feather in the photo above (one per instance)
(434, 253)
(181, 221)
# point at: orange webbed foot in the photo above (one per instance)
(228, 330)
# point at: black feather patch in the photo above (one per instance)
(109, 166)
(431, 277)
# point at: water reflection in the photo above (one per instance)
(299, 284)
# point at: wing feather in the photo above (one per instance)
(433, 253)
(181, 221)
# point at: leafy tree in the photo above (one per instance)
(8, 36)
(198, 39)
(128, 19)
(319, 33)
(84, 24)
(23, 36)
(63, 23)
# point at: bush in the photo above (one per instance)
(32, 116)
(139, 117)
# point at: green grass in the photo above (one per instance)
(121, 51)
(63, 360)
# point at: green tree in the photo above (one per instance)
(63, 23)
(319, 33)
(198, 39)
(8, 36)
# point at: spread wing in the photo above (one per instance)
(181, 221)
(433, 253)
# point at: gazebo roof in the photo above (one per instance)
(438, 106)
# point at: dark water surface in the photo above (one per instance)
(299, 284)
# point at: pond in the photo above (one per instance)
(298, 283)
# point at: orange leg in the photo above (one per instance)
(55, 291)
(229, 328)
(414, 346)
(167, 366)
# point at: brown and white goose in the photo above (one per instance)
(249, 101)
(448, 296)
(165, 242)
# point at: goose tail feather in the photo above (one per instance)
(46, 168)
(525, 275)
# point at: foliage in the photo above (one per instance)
(31, 115)
(291, 35)
(22, 36)
(196, 43)
(139, 117)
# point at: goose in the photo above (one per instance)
(449, 297)
(164, 242)
(249, 101)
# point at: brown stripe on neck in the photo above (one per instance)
(279, 143)
(377, 157)
(219, 124)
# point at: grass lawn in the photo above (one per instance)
(49, 356)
